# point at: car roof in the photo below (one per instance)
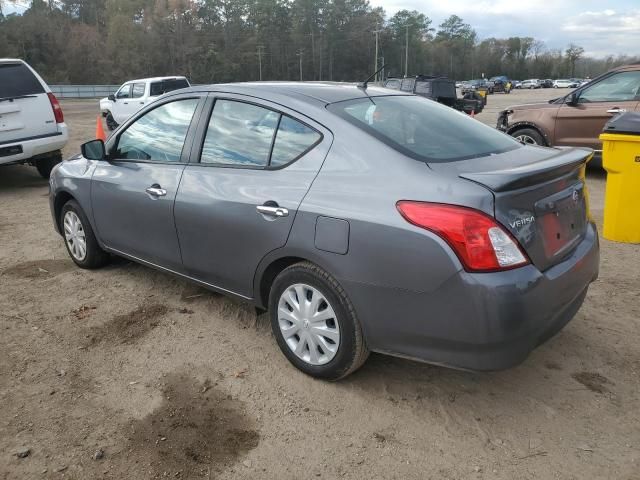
(156, 79)
(11, 60)
(306, 92)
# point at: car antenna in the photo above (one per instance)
(363, 85)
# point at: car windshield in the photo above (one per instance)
(423, 129)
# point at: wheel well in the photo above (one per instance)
(61, 199)
(523, 126)
(270, 274)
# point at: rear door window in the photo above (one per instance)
(164, 86)
(239, 134)
(293, 140)
(407, 84)
(16, 79)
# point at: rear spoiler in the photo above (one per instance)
(563, 162)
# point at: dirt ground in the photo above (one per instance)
(127, 373)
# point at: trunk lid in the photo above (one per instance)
(540, 197)
(25, 109)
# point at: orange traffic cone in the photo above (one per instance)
(99, 130)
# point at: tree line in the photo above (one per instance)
(212, 41)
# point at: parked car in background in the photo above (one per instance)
(546, 83)
(531, 83)
(135, 94)
(517, 84)
(576, 119)
(473, 85)
(281, 194)
(501, 84)
(32, 127)
(563, 83)
(440, 89)
(575, 82)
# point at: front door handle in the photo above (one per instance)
(617, 110)
(156, 191)
(272, 211)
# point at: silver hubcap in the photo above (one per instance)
(74, 236)
(308, 324)
(526, 139)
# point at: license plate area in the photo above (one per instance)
(562, 218)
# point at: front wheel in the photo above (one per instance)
(529, 136)
(315, 324)
(111, 122)
(81, 243)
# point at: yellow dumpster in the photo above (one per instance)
(621, 160)
(483, 91)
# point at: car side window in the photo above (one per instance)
(138, 90)
(124, 92)
(395, 84)
(239, 134)
(620, 87)
(293, 139)
(159, 134)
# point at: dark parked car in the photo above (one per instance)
(546, 83)
(440, 89)
(362, 219)
(501, 84)
(474, 85)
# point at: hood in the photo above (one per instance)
(532, 106)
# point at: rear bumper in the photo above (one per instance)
(34, 146)
(488, 321)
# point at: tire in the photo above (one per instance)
(529, 136)
(45, 165)
(94, 256)
(111, 123)
(310, 280)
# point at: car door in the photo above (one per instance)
(580, 125)
(121, 103)
(133, 193)
(252, 164)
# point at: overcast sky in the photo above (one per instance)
(601, 27)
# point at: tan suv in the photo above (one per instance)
(576, 119)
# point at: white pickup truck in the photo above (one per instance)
(135, 94)
(32, 128)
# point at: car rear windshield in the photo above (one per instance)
(423, 129)
(17, 80)
(164, 86)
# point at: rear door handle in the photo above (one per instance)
(156, 191)
(272, 211)
(617, 110)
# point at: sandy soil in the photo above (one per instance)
(128, 373)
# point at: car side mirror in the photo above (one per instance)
(572, 99)
(94, 150)
(112, 97)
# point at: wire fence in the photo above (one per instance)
(83, 91)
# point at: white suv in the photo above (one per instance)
(135, 94)
(32, 128)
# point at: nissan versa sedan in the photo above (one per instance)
(362, 219)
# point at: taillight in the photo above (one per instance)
(481, 243)
(57, 110)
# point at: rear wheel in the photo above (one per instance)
(46, 164)
(529, 136)
(111, 123)
(315, 324)
(79, 238)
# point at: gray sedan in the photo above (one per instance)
(363, 219)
